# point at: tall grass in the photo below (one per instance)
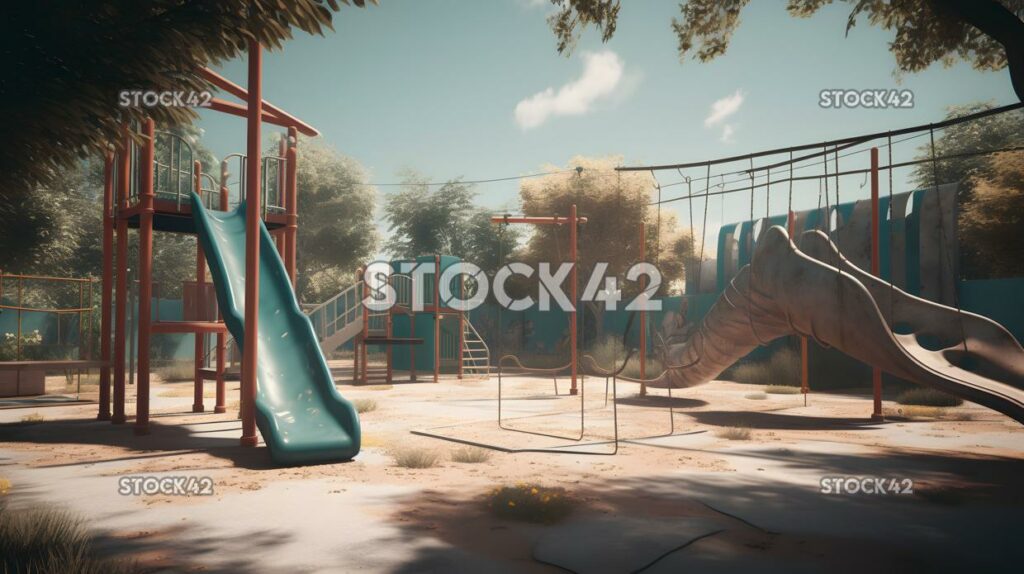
(410, 457)
(609, 353)
(928, 398)
(44, 540)
(176, 371)
(471, 454)
(781, 369)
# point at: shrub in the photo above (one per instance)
(530, 503)
(928, 398)
(755, 396)
(9, 344)
(42, 540)
(781, 369)
(177, 371)
(33, 418)
(609, 354)
(471, 454)
(782, 390)
(733, 433)
(416, 458)
(364, 405)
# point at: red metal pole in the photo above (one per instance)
(876, 373)
(221, 406)
(145, 279)
(412, 331)
(291, 195)
(390, 332)
(121, 280)
(643, 315)
(366, 329)
(573, 281)
(252, 245)
(199, 338)
(462, 326)
(804, 382)
(106, 296)
(437, 317)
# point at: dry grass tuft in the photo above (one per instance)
(755, 396)
(928, 398)
(471, 454)
(733, 433)
(411, 457)
(33, 418)
(364, 405)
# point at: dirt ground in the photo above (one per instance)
(716, 478)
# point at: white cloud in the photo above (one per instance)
(602, 73)
(727, 131)
(723, 108)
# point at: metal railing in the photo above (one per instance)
(334, 314)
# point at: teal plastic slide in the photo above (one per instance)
(301, 415)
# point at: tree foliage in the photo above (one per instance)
(444, 221)
(991, 224)
(336, 229)
(990, 188)
(65, 63)
(988, 34)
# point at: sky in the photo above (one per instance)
(463, 88)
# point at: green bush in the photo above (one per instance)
(530, 503)
(928, 398)
(43, 540)
(9, 345)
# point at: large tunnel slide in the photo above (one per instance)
(814, 291)
(299, 412)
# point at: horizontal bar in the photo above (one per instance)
(47, 278)
(188, 327)
(224, 106)
(56, 364)
(557, 220)
(241, 93)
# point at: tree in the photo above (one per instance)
(336, 229)
(425, 222)
(991, 225)
(66, 63)
(987, 33)
(986, 227)
(614, 204)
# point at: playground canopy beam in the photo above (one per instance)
(265, 107)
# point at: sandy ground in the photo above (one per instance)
(676, 495)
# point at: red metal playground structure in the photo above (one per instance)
(156, 198)
(153, 183)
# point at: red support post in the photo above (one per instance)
(437, 317)
(876, 373)
(200, 300)
(106, 295)
(573, 286)
(643, 315)
(121, 280)
(252, 245)
(221, 406)
(146, 195)
(366, 330)
(462, 326)
(292, 205)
